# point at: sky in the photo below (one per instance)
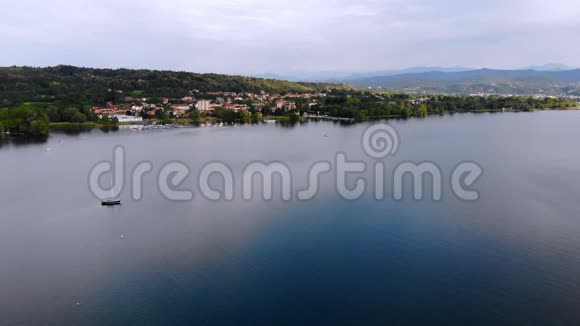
(270, 36)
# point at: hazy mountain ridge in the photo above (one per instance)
(546, 79)
(340, 76)
(558, 82)
(549, 67)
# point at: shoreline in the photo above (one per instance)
(281, 119)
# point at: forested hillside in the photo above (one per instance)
(73, 85)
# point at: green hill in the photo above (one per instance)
(74, 85)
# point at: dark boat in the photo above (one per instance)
(111, 202)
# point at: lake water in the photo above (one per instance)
(512, 257)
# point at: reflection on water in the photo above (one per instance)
(77, 130)
(21, 140)
(509, 258)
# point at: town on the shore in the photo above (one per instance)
(226, 107)
(254, 106)
(137, 109)
(35, 100)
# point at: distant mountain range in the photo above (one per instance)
(333, 76)
(490, 81)
(550, 67)
(412, 70)
(547, 79)
(86, 85)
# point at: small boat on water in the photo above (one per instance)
(49, 150)
(111, 202)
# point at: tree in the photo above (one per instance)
(143, 114)
(79, 118)
(68, 114)
(246, 117)
(362, 115)
(105, 119)
(195, 116)
(38, 128)
(422, 111)
(161, 115)
(226, 115)
(256, 117)
(53, 113)
(26, 120)
(294, 117)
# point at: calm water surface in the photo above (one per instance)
(513, 257)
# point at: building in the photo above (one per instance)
(285, 105)
(180, 107)
(203, 105)
(279, 104)
(128, 118)
(236, 107)
(289, 106)
(108, 110)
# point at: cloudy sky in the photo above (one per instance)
(286, 36)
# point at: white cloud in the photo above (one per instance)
(246, 36)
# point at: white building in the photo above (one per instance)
(180, 107)
(203, 105)
(279, 104)
(128, 118)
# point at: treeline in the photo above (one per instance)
(71, 114)
(496, 103)
(69, 85)
(24, 120)
(33, 119)
(361, 105)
